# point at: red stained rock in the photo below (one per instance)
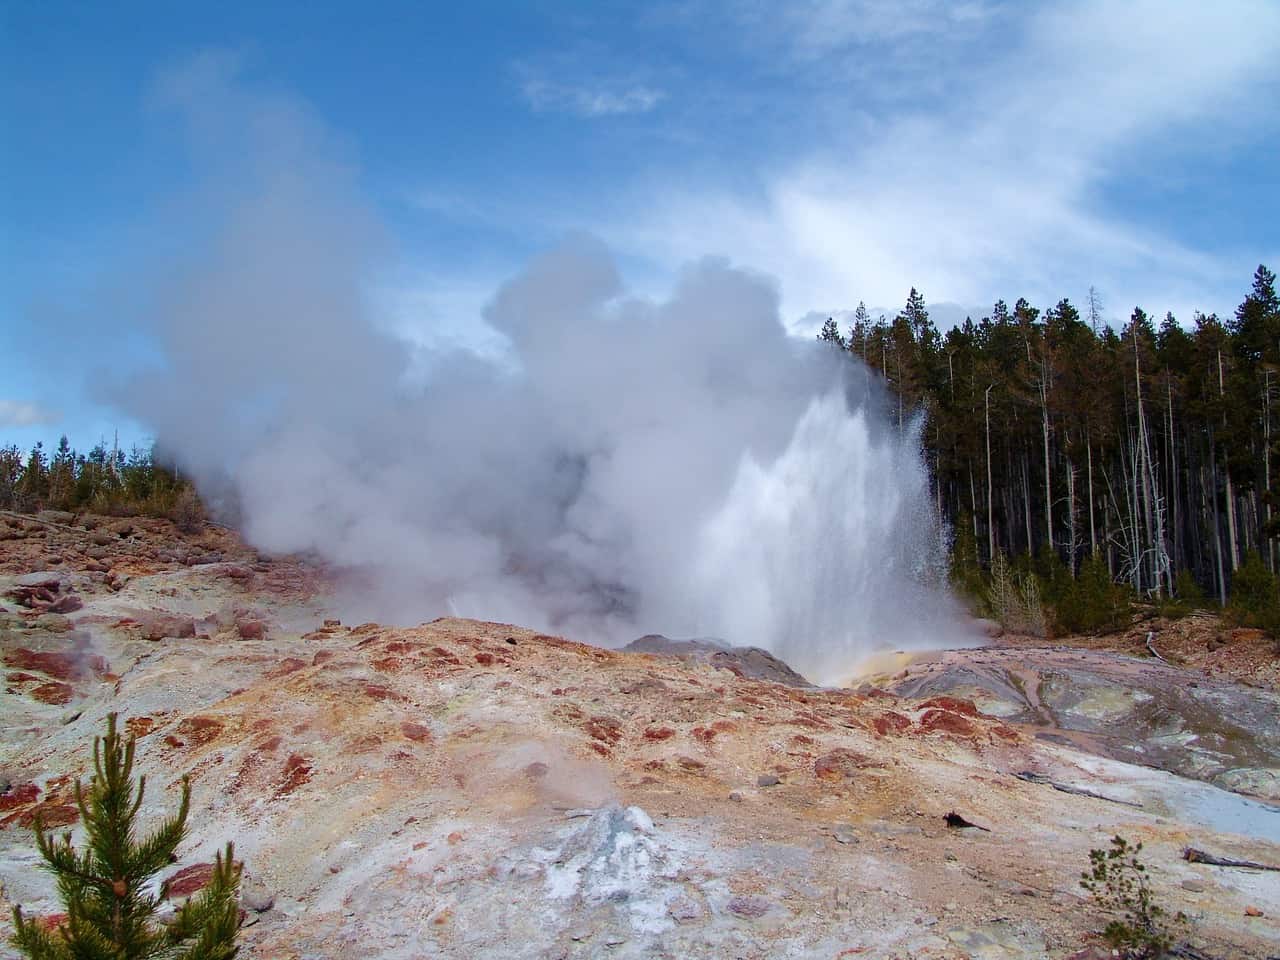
(954, 704)
(388, 664)
(139, 726)
(484, 659)
(237, 572)
(376, 691)
(249, 629)
(20, 677)
(659, 733)
(690, 764)
(19, 796)
(841, 764)
(601, 749)
(190, 879)
(944, 721)
(68, 603)
(415, 732)
(297, 771)
(200, 730)
(162, 627)
(322, 656)
(287, 666)
(53, 692)
(173, 741)
(50, 814)
(606, 729)
(890, 723)
(60, 666)
(703, 734)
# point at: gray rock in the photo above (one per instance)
(1195, 886)
(767, 780)
(750, 906)
(254, 896)
(749, 662)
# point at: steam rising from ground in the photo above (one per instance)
(627, 465)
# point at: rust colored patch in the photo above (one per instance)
(388, 664)
(200, 730)
(60, 666)
(50, 922)
(890, 723)
(601, 749)
(724, 726)
(53, 692)
(174, 742)
(842, 764)
(944, 721)
(322, 656)
(297, 771)
(954, 704)
(190, 879)
(659, 733)
(606, 729)
(1004, 732)
(690, 764)
(484, 659)
(270, 745)
(50, 814)
(19, 796)
(567, 711)
(139, 726)
(703, 734)
(801, 739)
(415, 732)
(20, 678)
(287, 666)
(810, 720)
(375, 691)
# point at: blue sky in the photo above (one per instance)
(849, 149)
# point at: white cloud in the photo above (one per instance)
(590, 99)
(19, 413)
(998, 185)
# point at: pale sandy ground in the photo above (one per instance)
(467, 789)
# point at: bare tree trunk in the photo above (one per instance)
(1026, 500)
(1072, 539)
(1226, 472)
(1266, 471)
(991, 519)
(1093, 538)
(1048, 486)
(1217, 533)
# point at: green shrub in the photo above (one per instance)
(1092, 602)
(1117, 880)
(1255, 598)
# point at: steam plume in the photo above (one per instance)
(627, 465)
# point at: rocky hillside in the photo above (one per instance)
(471, 789)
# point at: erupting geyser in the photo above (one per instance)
(620, 466)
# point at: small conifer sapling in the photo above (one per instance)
(104, 887)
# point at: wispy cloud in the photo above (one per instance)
(591, 98)
(20, 413)
(1002, 183)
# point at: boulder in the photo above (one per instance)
(164, 626)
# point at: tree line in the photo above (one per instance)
(104, 480)
(1055, 436)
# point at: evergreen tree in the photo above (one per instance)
(103, 889)
(830, 333)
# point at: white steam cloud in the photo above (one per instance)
(627, 466)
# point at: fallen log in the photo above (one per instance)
(1040, 778)
(1151, 647)
(1199, 856)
